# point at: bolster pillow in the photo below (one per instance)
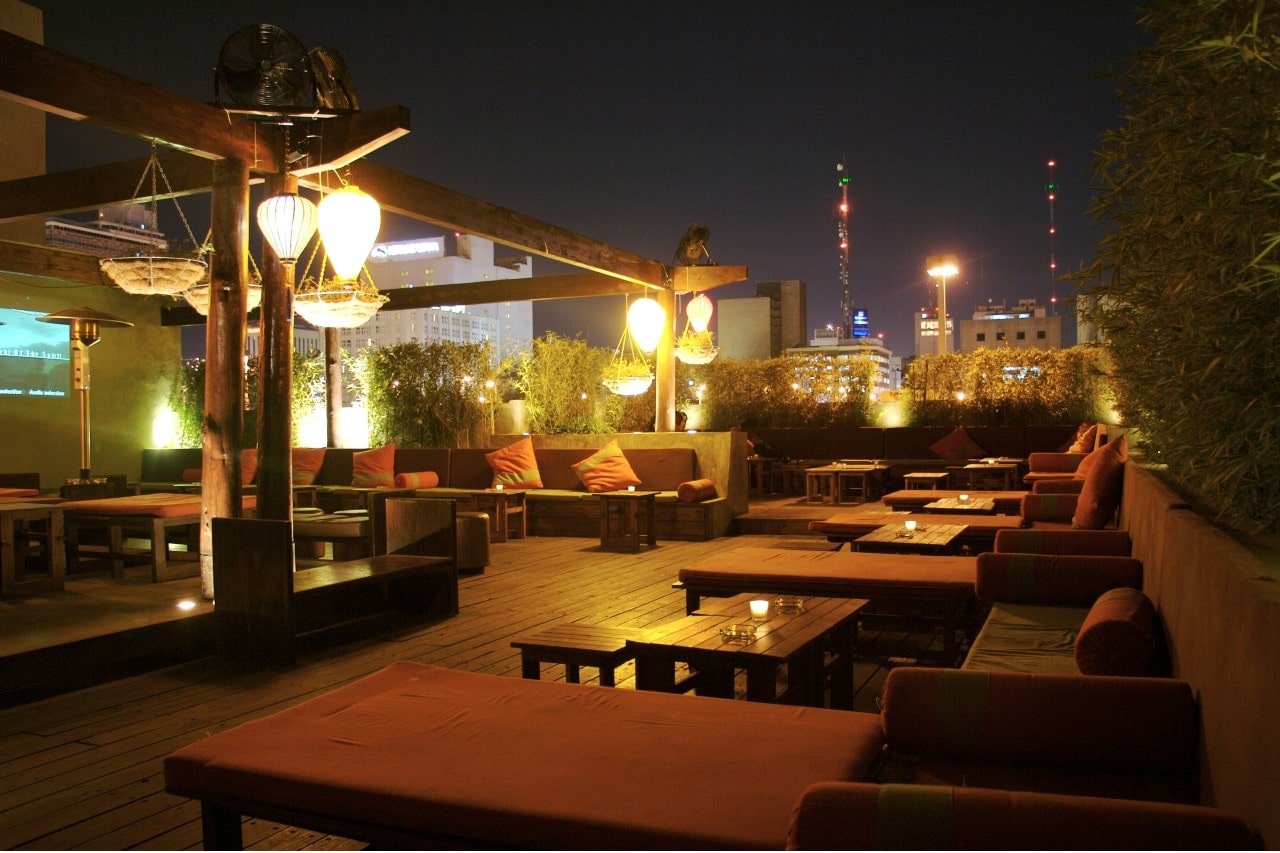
(417, 480)
(693, 491)
(1118, 637)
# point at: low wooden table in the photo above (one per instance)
(506, 512)
(842, 484)
(20, 522)
(925, 480)
(815, 644)
(575, 645)
(992, 475)
(925, 539)
(626, 518)
(972, 506)
(349, 531)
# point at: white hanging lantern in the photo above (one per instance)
(349, 222)
(645, 319)
(699, 312)
(288, 222)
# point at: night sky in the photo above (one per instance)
(626, 122)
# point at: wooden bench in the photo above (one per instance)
(262, 604)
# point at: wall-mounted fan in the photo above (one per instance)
(262, 65)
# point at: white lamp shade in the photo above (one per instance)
(349, 222)
(287, 222)
(699, 312)
(645, 319)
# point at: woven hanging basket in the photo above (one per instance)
(198, 297)
(627, 377)
(338, 304)
(146, 275)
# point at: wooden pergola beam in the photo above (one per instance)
(48, 80)
(28, 259)
(418, 199)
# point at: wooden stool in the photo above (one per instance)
(473, 542)
(575, 645)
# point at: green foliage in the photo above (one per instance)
(423, 394)
(1007, 386)
(560, 380)
(1186, 285)
(186, 399)
(788, 391)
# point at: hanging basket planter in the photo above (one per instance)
(147, 275)
(627, 377)
(696, 347)
(336, 303)
(198, 297)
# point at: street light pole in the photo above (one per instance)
(942, 266)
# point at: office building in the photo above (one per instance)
(1025, 325)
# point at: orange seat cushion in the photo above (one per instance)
(157, 505)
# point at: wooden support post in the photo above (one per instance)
(224, 357)
(665, 369)
(275, 370)
(333, 383)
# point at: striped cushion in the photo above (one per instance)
(374, 468)
(515, 466)
(606, 470)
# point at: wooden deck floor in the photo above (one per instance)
(83, 770)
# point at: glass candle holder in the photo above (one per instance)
(759, 609)
(910, 524)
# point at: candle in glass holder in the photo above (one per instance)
(631, 488)
(964, 499)
(910, 524)
(759, 609)
(498, 486)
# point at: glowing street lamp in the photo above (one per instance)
(941, 266)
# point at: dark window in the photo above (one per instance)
(999, 336)
(1022, 336)
(1040, 335)
(982, 336)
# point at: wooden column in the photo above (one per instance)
(665, 367)
(224, 357)
(332, 383)
(275, 371)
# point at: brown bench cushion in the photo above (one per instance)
(504, 762)
(836, 572)
(156, 505)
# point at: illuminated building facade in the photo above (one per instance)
(1025, 326)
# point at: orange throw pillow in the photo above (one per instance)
(374, 468)
(515, 466)
(248, 465)
(306, 464)
(1100, 494)
(692, 491)
(417, 480)
(1085, 441)
(606, 470)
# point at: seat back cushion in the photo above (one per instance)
(1118, 637)
(1100, 496)
(958, 444)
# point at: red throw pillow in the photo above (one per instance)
(248, 465)
(606, 470)
(417, 480)
(515, 466)
(1100, 495)
(958, 444)
(374, 468)
(306, 464)
(696, 490)
(1118, 637)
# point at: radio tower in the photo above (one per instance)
(842, 231)
(1051, 189)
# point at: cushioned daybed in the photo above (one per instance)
(418, 755)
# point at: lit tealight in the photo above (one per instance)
(759, 609)
(498, 487)
(910, 524)
(186, 604)
(964, 499)
(631, 488)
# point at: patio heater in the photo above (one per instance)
(84, 324)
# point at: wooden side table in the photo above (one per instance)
(506, 512)
(575, 646)
(925, 480)
(626, 517)
(19, 523)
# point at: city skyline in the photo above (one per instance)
(627, 122)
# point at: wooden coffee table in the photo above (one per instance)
(816, 644)
(954, 506)
(925, 539)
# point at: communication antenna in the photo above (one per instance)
(842, 233)
(1051, 189)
